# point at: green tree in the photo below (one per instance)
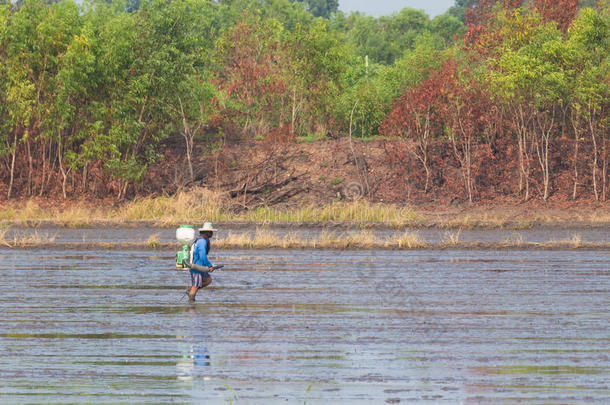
(460, 7)
(149, 56)
(370, 93)
(385, 39)
(589, 42)
(314, 68)
(20, 100)
(447, 27)
(533, 80)
(38, 34)
(321, 8)
(4, 70)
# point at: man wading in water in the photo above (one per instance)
(201, 248)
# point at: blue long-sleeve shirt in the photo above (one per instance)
(200, 254)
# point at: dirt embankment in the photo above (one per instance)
(289, 175)
(294, 174)
(269, 173)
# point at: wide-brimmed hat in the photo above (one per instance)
(207, 226)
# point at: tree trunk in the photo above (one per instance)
(422, 144)
(84, 179)
(595, 155)
(470, 184)
(293, 116)
(427, 186)
(464, 155)
(30, 166)
(60, 161)
(188, 139)
(10, 185)
(123, 184)
(546, 167)
(605, 170)
(51, 167)
(524, 155)
(576, 144)
(44, 167)
(542, 150)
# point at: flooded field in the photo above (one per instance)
(314, 327)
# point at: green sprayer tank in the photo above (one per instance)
(185, 236)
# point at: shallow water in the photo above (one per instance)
(426, 235)
(315, 327)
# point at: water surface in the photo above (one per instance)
(309, 326)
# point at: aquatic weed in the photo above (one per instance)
(153, 241)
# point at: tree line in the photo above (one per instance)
(97, 92)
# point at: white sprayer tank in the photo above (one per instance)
(185, 234)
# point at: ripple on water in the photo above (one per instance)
(307, 326)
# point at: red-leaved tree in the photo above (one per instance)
(478, 16)
(251, 77)
(417, 116)
(467, 116)
(562, 11)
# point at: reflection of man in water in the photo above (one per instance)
(200, 356)
(201, 248)
(197, 355)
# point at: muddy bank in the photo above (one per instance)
(343, 246)
(109, 238)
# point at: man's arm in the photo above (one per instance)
(202, 256)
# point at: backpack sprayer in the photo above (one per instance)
(186, 236)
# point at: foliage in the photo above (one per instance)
(93, 96)
(321, 8)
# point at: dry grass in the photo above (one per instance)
(451, 238)
(357, 212)
(409, 240)
(200, 204)
(3, 238)
(26, 240)
(264, 239)
(332, 240)
(515, 239)
(599, 216)
(196, 205)
(76, 215)
(464, 222)
(30, 211)
(574, 242)
(261, 239)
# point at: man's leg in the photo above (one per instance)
(206, 281)
(195, 285)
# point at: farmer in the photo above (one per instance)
(200, 251)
